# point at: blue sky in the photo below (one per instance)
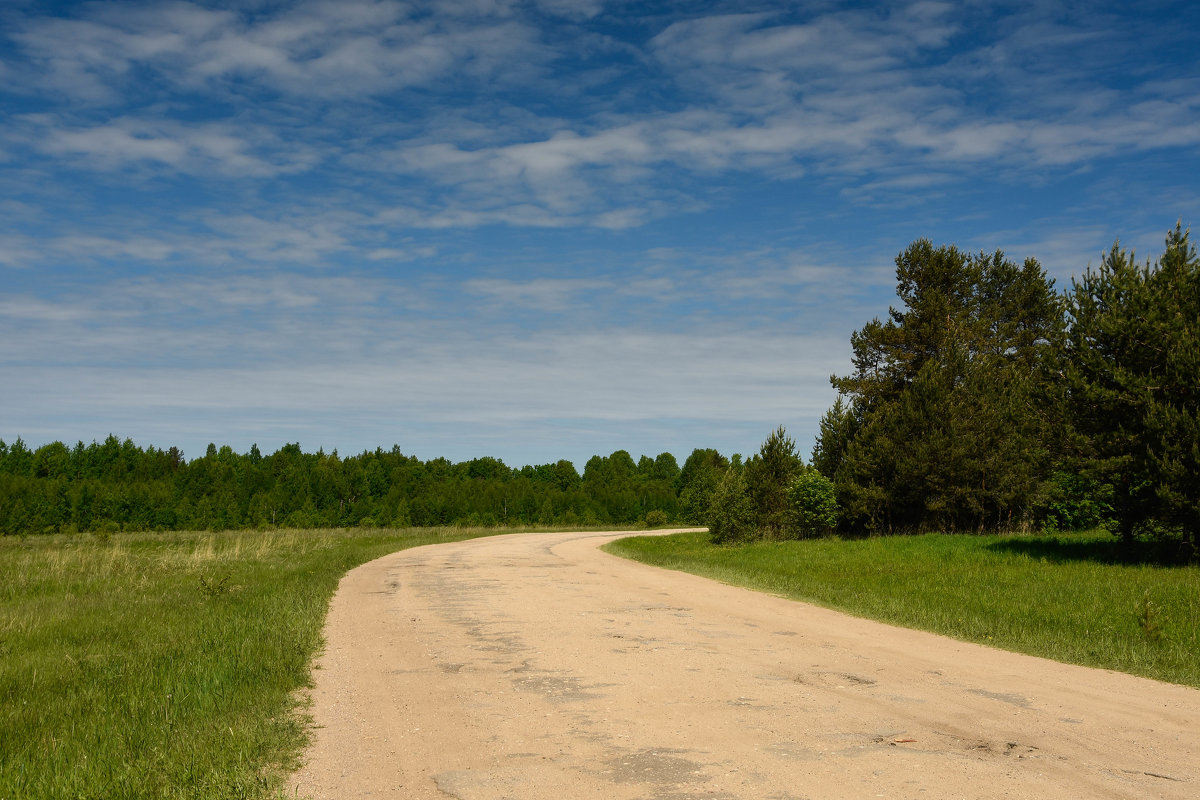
(542, 229)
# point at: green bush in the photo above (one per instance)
(656, 518)
(731, 514)
(814, 503)
(1077, 503)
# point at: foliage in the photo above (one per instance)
(1080, 598)
(731, 513)
(767, 475)
(1132, 379)
(837, 429)
(116, 485)
(656, 518)
(813, 499)
(697, 482)
(988, 402)
(1077, 503)
(944, 423)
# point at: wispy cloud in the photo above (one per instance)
(320, 48)
(541, 294)
(833, 93)
(888, 83)
(181, 148)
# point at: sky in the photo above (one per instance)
(541, 229)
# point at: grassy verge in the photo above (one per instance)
(1069, 598)
(165, 665)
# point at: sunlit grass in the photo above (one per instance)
(166, 665)
(1069, 598)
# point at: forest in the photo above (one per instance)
(986, 400)
(117, 485)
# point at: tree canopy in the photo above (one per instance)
(988, 401)
(1132, 385)
(940, 424)
(115, 484)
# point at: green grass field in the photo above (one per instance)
(1070, 598)
(165, 665)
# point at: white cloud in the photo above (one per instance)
(572, 9)
(400, 254)
(783, 95)
(871, 89)
(541, 294)
(208, 240)
(22, 309)
(315, 49)
(19, 251)
(1066, 250)
(185, 148)
(290, 240)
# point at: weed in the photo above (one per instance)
(1150, 618)
(211, 588)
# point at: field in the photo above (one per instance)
(165, 665)
(1073, 598)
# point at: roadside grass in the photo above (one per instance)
(1072, 598)
(167, 665)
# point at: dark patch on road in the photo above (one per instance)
(1013, 699)
(654, 765)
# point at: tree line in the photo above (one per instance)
(116, 485)
(987, 401)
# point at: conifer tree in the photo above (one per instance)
(1132, 377)
(768, 475)
(944, 421)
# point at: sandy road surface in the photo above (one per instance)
(535, 666)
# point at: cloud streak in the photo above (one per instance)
(326, 49)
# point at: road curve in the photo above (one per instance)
(534, 666)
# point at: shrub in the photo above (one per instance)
(814, 502)
(656, 518)
(731, 514)
(1077, 503)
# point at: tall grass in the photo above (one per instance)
(1072, 598)
(165, 665)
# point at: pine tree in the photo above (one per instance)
(1132, 375)
(767, 476)
(945, 420)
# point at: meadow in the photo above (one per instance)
(166, 665)
(1077, 598)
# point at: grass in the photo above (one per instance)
(166, 665)
(1073, 598)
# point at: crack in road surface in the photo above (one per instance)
(534, 666)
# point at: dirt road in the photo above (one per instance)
(535, 666)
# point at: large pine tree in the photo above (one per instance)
(1132, 379)
(943, 423)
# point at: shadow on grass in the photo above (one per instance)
(1169, 553)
